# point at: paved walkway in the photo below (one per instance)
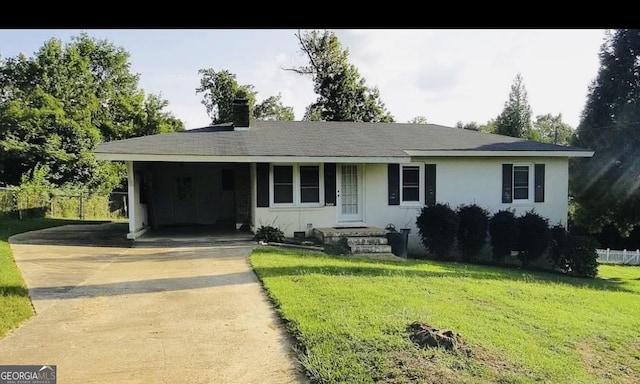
(107, 312)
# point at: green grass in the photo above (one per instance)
(349, 318)
(15, 305)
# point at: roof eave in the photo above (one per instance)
(249, 159)
(474, 153)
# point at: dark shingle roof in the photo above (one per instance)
(313, 138)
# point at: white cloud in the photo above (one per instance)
(452, 75)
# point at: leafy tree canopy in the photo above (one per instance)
(56, 106)
(551, 129)
(472, 126)
(343, 94)
(418, 120)
(220, 88)
(607, 186)
(515, 118)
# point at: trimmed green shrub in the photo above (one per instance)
(534, 237)
(581, 256)
(473, 223)
(558, 246)
(504, 234)
(573, 254)
(269, 234)
(437, 227)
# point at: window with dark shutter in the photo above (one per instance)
(393, 175)
(507, 178)
(430, 184)
(330, 184)
(262, 184)
(539, 183)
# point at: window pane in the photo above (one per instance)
(521, 182)
(410, 176)
(283, 193)
(410, 194)
(283, 174)
(283, 184)
(410, 183)
(520, 176)
(310, 195)
(520, 193)
(309, 184)
(309, 176)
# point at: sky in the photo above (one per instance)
(446, 75)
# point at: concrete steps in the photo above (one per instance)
(361, 240)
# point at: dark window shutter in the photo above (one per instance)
(330, 184)
(430, 184)
(262, 184)
(539, 183)
(507, 182)
(394, 184)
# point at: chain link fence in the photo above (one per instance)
(64, 205)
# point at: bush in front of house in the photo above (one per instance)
(573, 254)
(559, 236)
(270, 234)
(473, 223)
(437, 227)
(534, 237)
(504, 234)
(580, 256)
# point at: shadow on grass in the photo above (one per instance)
(340, 266)
(13, 290)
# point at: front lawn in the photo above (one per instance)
(15, 305)
(349, 317)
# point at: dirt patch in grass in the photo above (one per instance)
(472, 365)
(415, 367)
(605, 364)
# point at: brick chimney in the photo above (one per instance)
(240, 114)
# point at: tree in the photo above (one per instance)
(418, 120)
(472, 126)
(489, 127)
(221, 88)
(551, 129)
(343, 94)
(154, 119)
(515, 119)
(607, 186)
(56, 106)
(272, 108)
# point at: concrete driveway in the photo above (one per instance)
(108, 312)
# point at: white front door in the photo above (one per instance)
(349, 193)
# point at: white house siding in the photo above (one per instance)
(458, 181)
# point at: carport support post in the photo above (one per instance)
(131, 184)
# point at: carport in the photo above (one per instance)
(213, 195)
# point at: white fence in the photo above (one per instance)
(608, 256)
